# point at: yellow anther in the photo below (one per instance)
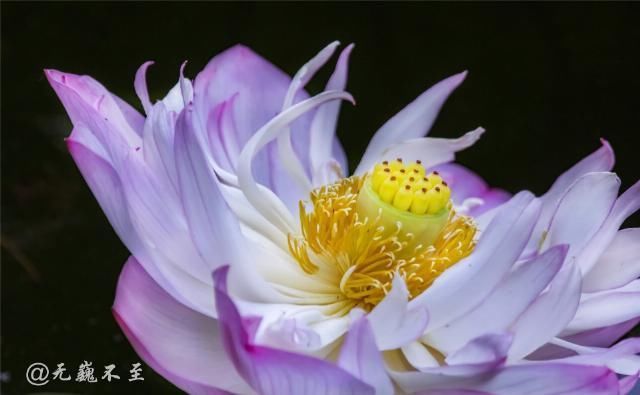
(402, 200)
(416, 168)
(436, 203)
(420, 202)
(379, 167)
(446, 192)
(434, 178)
(379, 176)
(400, 174)
(396, 164)
(388, 189)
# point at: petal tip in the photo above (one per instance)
(609, 153)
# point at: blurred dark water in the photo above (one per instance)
(546, 81)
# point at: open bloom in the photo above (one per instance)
(411, 275)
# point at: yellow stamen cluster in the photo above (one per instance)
(358, 255)
(409, 188)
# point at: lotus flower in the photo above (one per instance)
(259, 266)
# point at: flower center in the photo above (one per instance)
(359, 232)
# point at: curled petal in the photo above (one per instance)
(140, 85)
(269, 206)
(323, 125)
(288, 156)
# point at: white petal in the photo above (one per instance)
(393, 324)
(419, 356)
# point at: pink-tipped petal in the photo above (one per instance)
(276, 372)
(180, 344)
(89, 104)
(414, 121)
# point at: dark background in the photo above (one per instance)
(546, 81)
